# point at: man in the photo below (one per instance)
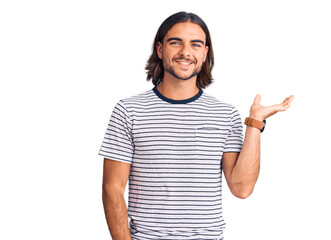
(173, 141)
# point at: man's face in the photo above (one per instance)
(183, 51)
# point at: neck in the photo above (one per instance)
(178, 89)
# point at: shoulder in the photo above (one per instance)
(137, 102)
(216, 102)
(139, 97)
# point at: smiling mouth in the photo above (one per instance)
(184, 63)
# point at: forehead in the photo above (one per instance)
(186, 30)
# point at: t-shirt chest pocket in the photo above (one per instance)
(210, 140)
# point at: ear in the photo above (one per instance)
(159, 49)
(206, 52)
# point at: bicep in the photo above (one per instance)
(115, 174)
(229, 159)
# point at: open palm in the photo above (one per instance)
(260, 112)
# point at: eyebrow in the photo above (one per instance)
(179, 39)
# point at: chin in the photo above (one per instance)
(186, 76)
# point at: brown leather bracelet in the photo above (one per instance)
(255, 123)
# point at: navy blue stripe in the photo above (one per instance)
(164, 98)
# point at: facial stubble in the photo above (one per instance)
(171, 70)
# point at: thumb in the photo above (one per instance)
(257, 99)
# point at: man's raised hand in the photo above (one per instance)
(260, 112)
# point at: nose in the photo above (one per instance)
(185, 50)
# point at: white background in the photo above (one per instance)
(64, 65)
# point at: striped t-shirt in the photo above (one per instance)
(175, 148)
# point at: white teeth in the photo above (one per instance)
(184, 63)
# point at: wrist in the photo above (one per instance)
(256, 117)
(255, 121)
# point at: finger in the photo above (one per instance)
(285, 100)
(289, 100)
(282, 106)
(286, 104)
(257, 99)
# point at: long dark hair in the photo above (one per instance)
(154, 67)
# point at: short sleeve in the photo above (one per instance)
(117, 143)
(234, 140)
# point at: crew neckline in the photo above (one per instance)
(164, 98)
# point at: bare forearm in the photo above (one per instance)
(116, 216)
(246, 170)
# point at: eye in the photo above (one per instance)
(196, 45)
(174, 43)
